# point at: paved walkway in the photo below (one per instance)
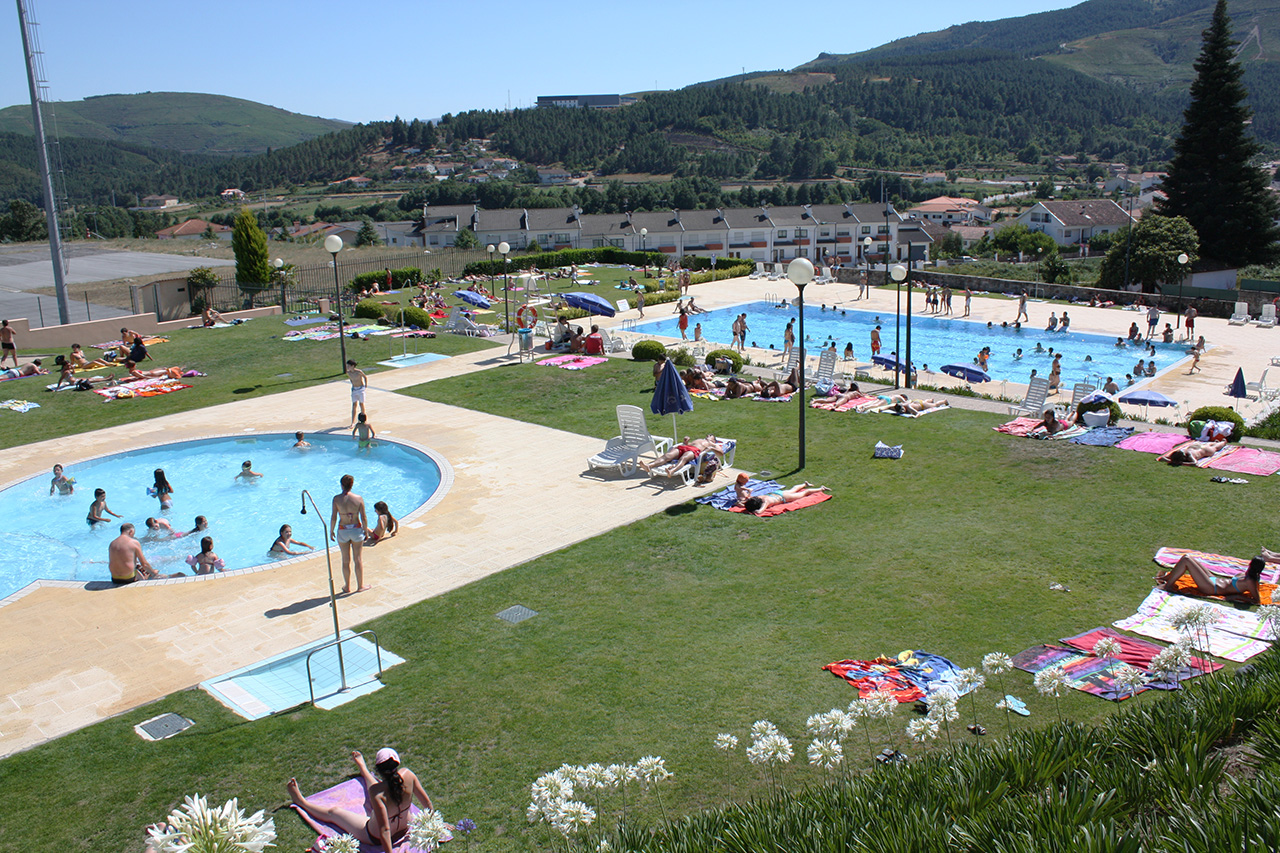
(75, 656)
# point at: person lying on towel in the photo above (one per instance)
(754, 505)
(1243, 589)
(684, 454)
(1192, 452)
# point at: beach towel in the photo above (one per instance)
(1158, 443)
(349, 795)
(727, 497)
(1067, 432)
(914, 414)
(1136, 653)
(1219, 564)
(1158, 608)
(930, 672)
(1246, 460)
(140, 388)
(20, 406)
(779, 509)
(1018, 426)
(708, 394)
(1086, 673)
(572, 362)
(785, 398)
(147, 340)
(305, 321)
(881, 674)
(828, 403)
(1107, 436)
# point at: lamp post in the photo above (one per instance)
(897, 311)
(504, 249)
(333, 245)
(490, 249)
(644, 233)
(1183, 260)
(278, 263)
(800, 272)
(900, 274)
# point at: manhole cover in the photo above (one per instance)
(516, 613)
(161, 727)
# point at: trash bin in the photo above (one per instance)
(526, 339)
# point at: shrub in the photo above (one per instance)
(648, 351)
(682, 357)
(732, 355)
(1268, 427)
(1217, 413)
(369, 309)
(1098, 406)
(402, 277)
(413, 316)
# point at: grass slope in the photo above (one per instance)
(185, 121)
(656, 636)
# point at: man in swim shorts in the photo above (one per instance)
(359, 382)
(348, 526)
(126, 561)
(8, 343)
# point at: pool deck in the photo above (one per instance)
(75, 656)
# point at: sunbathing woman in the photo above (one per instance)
(155, 373)
(736, 388)
(781, 389)
(695, 380)
(1192, 452)
(388, 800)
(1242, 588)
(755, 504)
(840, 399)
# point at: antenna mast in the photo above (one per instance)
(46, 177)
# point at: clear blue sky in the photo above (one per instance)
(424, 58)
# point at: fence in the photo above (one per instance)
(307, 285)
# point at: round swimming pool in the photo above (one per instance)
(49, 537)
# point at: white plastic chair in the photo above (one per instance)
(1033, 403)
(624, 450)
(1240, 316)
(1268, 317)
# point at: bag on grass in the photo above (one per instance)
(884, 451)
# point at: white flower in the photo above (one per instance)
(942, 706)
(573, 817)
(996, 663)
(922, 729)
(1269, 616)
(550, 787)
(1194, 617)
(1170, 660)
(342, 844)
(726, 742)
(621, 773)
(1107, 647)
(818, 725)
(1051, 681)
(1129, 679)
(881, 704)
(532, 812)
(770, 749)
(651, 769)
(969, 680)
(598, 776)
(825, 753)
(842, 723)
(427, 829)
(762, 728)
(196, 826)
(858, 709)
(604, 846)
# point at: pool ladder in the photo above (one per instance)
(311, 685)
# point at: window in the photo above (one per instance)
(598, 243)
(802, 232)
(824, 232)
(842, 232)
(617, 242)
(739, 237)
(882, 229)
(782, 234)
(866, 229)
(802, 253)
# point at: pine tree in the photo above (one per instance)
(1211, 181)
(249, 243)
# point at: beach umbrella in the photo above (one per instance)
(590, 303)
(1237, 388)
(670, 397)
(967, 372)
(473, 298)
(889, 362)
(1145, 398)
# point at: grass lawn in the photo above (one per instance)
(243, 361)
(656, 636)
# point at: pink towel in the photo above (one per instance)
(1018, 426)
(1247, 460)
(349, 795)
(572, 362)
(1153, 442)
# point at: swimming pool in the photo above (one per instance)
(49, 537)
(936, 340)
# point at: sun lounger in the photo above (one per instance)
(624, 451)
(1240, 317)
(688, 474)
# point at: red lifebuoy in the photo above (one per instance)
(527, 316)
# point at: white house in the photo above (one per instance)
(1070, 222)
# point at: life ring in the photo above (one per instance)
(527, 316)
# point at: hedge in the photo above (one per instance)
(371, 309)
(732, 355)
(648, 351)
(568, 257)
(1217, 413)
(402, 277)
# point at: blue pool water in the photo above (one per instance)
(937, 340)
(47, 537)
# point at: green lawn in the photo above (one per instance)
(656, 636)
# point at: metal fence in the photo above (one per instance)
(305, 286)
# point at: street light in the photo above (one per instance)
(333, 245)
(800, 272)
(644, 232)
(504, 249)
(278, 263)
(899, 273)
(1183, 260)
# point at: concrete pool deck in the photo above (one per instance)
(76, 656)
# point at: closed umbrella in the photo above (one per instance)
(670, 397)
(889, 362)
(590, 303)
(472, 297)
(1238, 388)
(967, 372)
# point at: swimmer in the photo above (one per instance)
(754, 505)
(1018, 354)
(247, 473)
(158, 528)
(301, 442)
(98, 510)
(363, 432)
(206, 562)
(61, 483)
(285, 539)
(162, 490)
(386, 526)
(202, 524)
(1039, 347)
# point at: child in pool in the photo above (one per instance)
(285, 539)
(247, 473)
(363, 432)
(301, 443)
(202, 524)
(61, 483)
(387, 524)
(162, 490)
(206, 562)
(158, 528)
(99, 506)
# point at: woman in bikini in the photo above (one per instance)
(388, 800)
(1242, 588)
(386, 527)
(162, 490)
(755, 504)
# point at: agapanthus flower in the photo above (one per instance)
(881, 704)
(342, 844)
(996, 663)
(573, 817)
(762, 728)
(597, 776)
(427, 829)
(1130, 679)
(466, 826)
(1170, 660)
(1107, 647)
(726, 742)
(969, 680)
(651, 769)
(842, 723)
(818, 725)
(770, 749)
(197, 826)
(942, 706)
(1051, 681)
(825, 753)
(922, 729)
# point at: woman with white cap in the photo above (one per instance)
(388, 799)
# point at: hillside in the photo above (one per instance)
(182, 121)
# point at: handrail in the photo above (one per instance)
(311, 688)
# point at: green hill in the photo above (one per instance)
(182, 121)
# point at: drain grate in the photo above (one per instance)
(161, 727)
(516, 613)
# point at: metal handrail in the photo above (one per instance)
(338, 642)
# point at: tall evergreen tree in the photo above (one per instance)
(1211, 181)
(249, 243)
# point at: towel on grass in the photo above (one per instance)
(305, 321)
(1219, 564)
(711, 394)
(1155, 613)
(1107, 436)
(779, 509)
(349, 795)
(147, 340)
(572, 362)
(1065, 433)
(1158, 443)
(20, 406)
(879, 674)
(1246, 460)
(785, 398)
(727, 497)
(1136, 653)
(828, 403)
(914, 414)
(1086, 673)
(140, 388)
(1018, 426)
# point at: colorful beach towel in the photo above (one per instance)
(1107, 436)
(828, 403)
(147, 340)
(779, 509)
(785, 398)
(707, 394)
(930, 672)
(1018, 426)
(141, 388)
(572, 362)
(348, 795)
(1245, 460)
(1158, 443)
(20, 406)
(727, 497)
(1136, 653)
(1086, 673)
(881, 674)
(1235, 636)
(1219, 564)
(914, 414)
(1066, 433)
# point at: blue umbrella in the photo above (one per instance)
(590, 303)
(474, 298)
(889, 361)
(1147, 397)
(1237, 388)
(967, 372)
(670, 397)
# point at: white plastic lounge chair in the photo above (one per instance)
(1033, 404)
(1261, 389)
(826, 369)
(793, 363)
(688, 474)
(612, 343)
(1268, 317)
(1240, 317)
(460, 325)
(1078, 392)
(624, 451)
